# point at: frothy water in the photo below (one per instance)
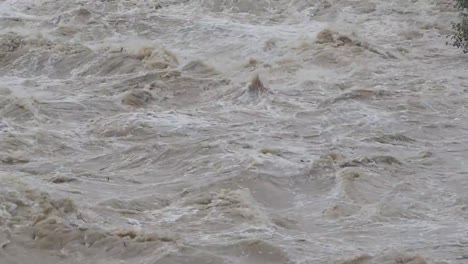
(233, 131)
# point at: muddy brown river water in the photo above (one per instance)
(232, 131)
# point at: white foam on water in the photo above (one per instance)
(238, 131)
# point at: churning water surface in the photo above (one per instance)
(232, 131)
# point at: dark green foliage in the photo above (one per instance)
(461, 4)
(460, 37)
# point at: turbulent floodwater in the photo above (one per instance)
(232, 131)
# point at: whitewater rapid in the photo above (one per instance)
(232, 131)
